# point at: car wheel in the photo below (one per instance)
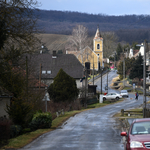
(104, 99)
(117, 98)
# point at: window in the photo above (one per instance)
(49, 72)
(98, 46)
(43, 72)
(97, 54)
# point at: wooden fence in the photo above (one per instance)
(131, 112)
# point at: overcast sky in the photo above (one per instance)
(107, 7)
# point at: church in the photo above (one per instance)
(92, 58)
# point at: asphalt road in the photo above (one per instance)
(94, 129)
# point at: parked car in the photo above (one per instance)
(124, 93)
(138, 136)
(111, 96)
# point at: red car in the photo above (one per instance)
(138, 137)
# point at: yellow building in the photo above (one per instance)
(95, 56)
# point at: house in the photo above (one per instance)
(46, 66)
(93, 57)
(5, 99)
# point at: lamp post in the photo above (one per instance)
(144, 78)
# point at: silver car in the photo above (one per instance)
(110, 96)
(124, 93)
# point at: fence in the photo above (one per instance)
(131, 112)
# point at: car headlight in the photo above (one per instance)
(135, 144)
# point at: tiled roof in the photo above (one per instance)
(68, 62)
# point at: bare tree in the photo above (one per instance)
(78, 40)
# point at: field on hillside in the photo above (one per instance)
(53, 41)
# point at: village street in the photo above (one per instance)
(94, 129)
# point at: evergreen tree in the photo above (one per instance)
(128, 67)
(137, 69)
(119, 51)
(63, 88)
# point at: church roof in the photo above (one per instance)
(98, 35)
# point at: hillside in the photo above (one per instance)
(53, 41)
(128, 28)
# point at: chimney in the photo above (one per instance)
(54, 54)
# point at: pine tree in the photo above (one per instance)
(137, 70)
(63, 88)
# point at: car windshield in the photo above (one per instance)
(141, 128)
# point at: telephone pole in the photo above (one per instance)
(144, 77)
(93, 70)
(101, 79)
(124, 72)
(144, 81)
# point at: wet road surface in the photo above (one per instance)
(94, 129)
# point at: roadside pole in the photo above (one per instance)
(144, 81)
(101, 79)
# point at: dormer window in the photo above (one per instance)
(43, 72)
(49, 72)
(98, 46)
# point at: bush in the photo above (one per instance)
(18, 111)
(26, 130)
(15, 130)
(41, 121)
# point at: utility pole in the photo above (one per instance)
(40, 76)
(93, 70)
(124, 72)
(115, 61)
(101, 79)
(107, 80)
(27, 77)
(144, 81)
(144, 78)
(85, 103)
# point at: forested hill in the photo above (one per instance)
(128, 27)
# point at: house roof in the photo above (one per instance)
(68, 62)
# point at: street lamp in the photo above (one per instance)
(144, 78)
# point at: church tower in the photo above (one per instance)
(98, 47)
